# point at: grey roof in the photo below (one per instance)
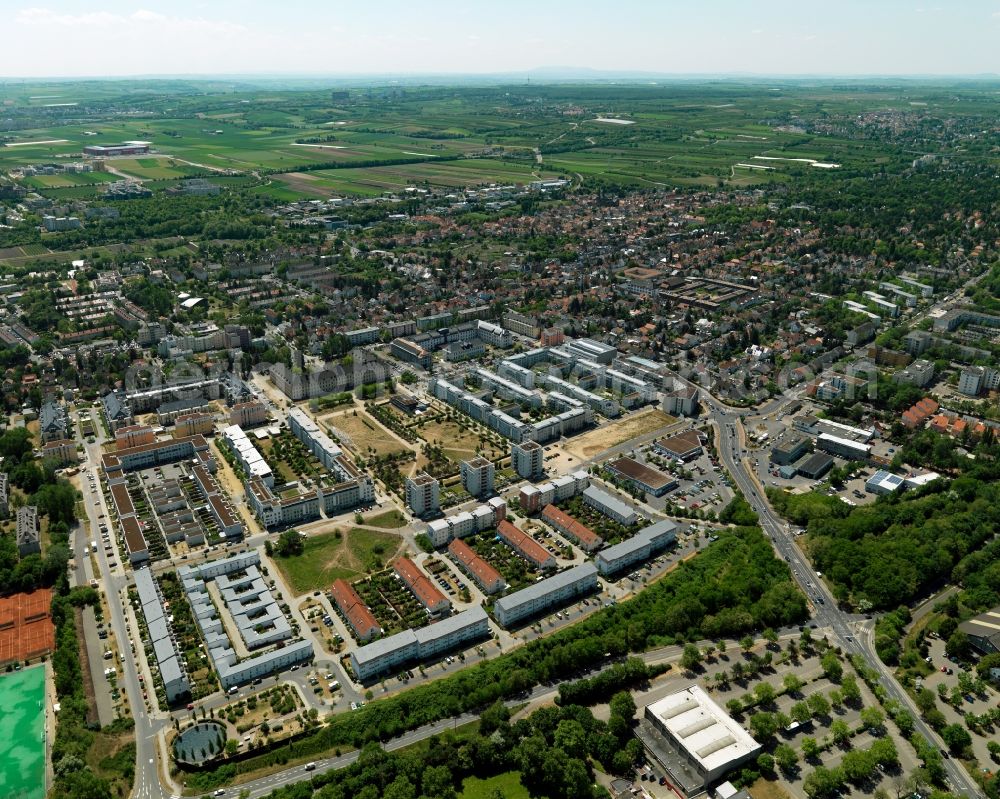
(642, 540)
(115, 407)
(384, 646)
(456, 623)
(547, 586)
(182, 405)
(51, 417)
(606, 500)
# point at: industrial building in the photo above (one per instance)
(844, 447)
(883, 482)
(790, 450)
(815, 466)
(552, 592)
(610, 506)
(638, 548)
(390, 654)
(689, 724)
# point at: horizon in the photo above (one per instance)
(782, 39)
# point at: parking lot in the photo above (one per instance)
(701, 485)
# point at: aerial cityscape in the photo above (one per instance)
(488, 430)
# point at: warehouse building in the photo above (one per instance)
(790, 450)
(650, 480)
(844, 447)
(554, 591)
(637, 549)
(883, 482)
(390, 654)
(694, 739)
(815, 466)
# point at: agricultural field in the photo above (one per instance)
(329, 556)
(300, 144)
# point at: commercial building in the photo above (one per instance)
(690, 724)
(844, 447)
(883, 482)
(484, 575)
(983, 631)
(790, 450)
(554, 591)
(650, 480)
(590, 350)
(815, 466)
(466, 523)
(390, 654)
(28, 532)
(683, 446)
(168, 660)
(420, 585)
(423, 495)
(637, 549)
(525, 546)
(528, 459)
(106, 150)
(578, 533)
(478, 476)
(355, 612)
(610, 506)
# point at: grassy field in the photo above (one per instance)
(327, 557)
(390, 520)
(457, 443)
(507, 785)
(365, 433)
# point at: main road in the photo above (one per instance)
(847, 631)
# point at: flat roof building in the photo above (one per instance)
(651, 480)
(683, 446)
(551, 592)
(883, 482)
(423, 494)
(638, 548)
(528, 459)
(690, 724)
(790, 450)
(610, 506)
(28, 536)
(815, 466)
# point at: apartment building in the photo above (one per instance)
(552, 592)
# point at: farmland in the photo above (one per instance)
(295, 144)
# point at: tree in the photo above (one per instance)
(571, 738)
(957, 738)
(746, 643)
(840, 732)
(849, 689)
(858, 765)
(822, 782)
(691, 657)
(833, 670)
(622, 704)
(884, 753)
(765, 763)
(438, 781)
(800, 712)
(495, 717)
(765, 693)
(810, 748)
(792, 683)
(818, 705)
(764, 725)
(958, 645)
(786, 758)
(872, 718)
(289, 544)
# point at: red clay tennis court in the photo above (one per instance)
(26, 630)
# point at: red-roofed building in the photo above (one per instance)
(421, 587)
(355, 611)
(486, 577)
(570, 527)
(525, 546)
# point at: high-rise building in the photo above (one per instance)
(528, 459)
(423, 494)
(477, 476)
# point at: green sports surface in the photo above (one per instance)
(22, 741)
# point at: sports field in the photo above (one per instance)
(22, 742)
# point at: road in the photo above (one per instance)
(849, 632)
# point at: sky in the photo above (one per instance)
(68, 38)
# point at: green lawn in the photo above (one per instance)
(327, 558)
(389, 520)
(507, 785)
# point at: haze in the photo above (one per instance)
(340, 38)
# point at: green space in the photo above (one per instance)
(390, 520)
(326, 557)
(507, 785)
(22, 734)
